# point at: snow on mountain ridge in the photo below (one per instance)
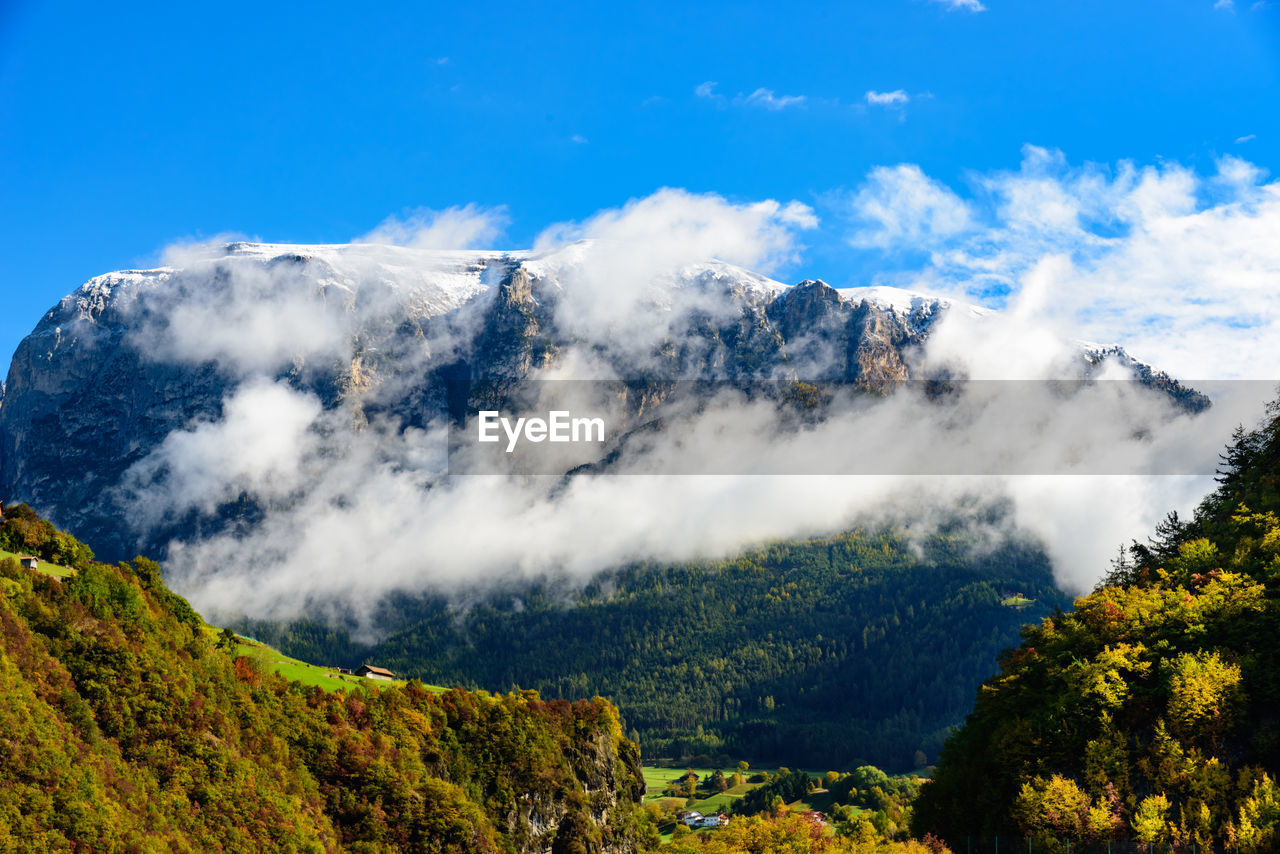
(438, 281)
(435, 282)
(462, 273)
(920, 309)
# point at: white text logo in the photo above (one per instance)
(558, 426)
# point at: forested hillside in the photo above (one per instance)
(1151, 712)
(836, 652)
(126, 725)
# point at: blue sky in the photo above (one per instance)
(124, 127)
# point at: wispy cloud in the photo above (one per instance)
(762, 98)
(1240, 140)
(579, 139)
(464, 227)
(1225, 5)
(766, 98)
(1177, 265)
(900, 205)
(896, 98)
(707, 90)
(962, 5)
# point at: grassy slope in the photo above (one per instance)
(656, 779)
(45, 568)
(270, 659)
(309, 674)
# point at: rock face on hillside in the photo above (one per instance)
(381, 335)
(608, 774)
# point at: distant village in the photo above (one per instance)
(693, 818)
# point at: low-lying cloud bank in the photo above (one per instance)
(1176, 266)
(366, 513)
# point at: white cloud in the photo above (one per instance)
(963, 5)
(256, 447)
(675, 227)
(579, 139)
(255, 309)
(627, 266)
(706, 90)
(1240, 140)
(466, 227)
(244, 319)
(1238, 175)
(1179, 267)
(1225, 5)
(896, 98)
(901, 206)
(768, 100)
(762, 98)
(354, 515)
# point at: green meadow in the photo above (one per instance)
(328, 678)
(44, 567)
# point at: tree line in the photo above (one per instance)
(861, 648)
(1150, 713)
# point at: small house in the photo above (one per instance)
(693, 818)
(29, 561)
(370, 672)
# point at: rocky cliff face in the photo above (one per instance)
(82, 403)
(597, 815)
(385, 335)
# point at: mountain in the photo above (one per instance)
(1149, 712)
(129, 724)
(267, 418)
(381, 338)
